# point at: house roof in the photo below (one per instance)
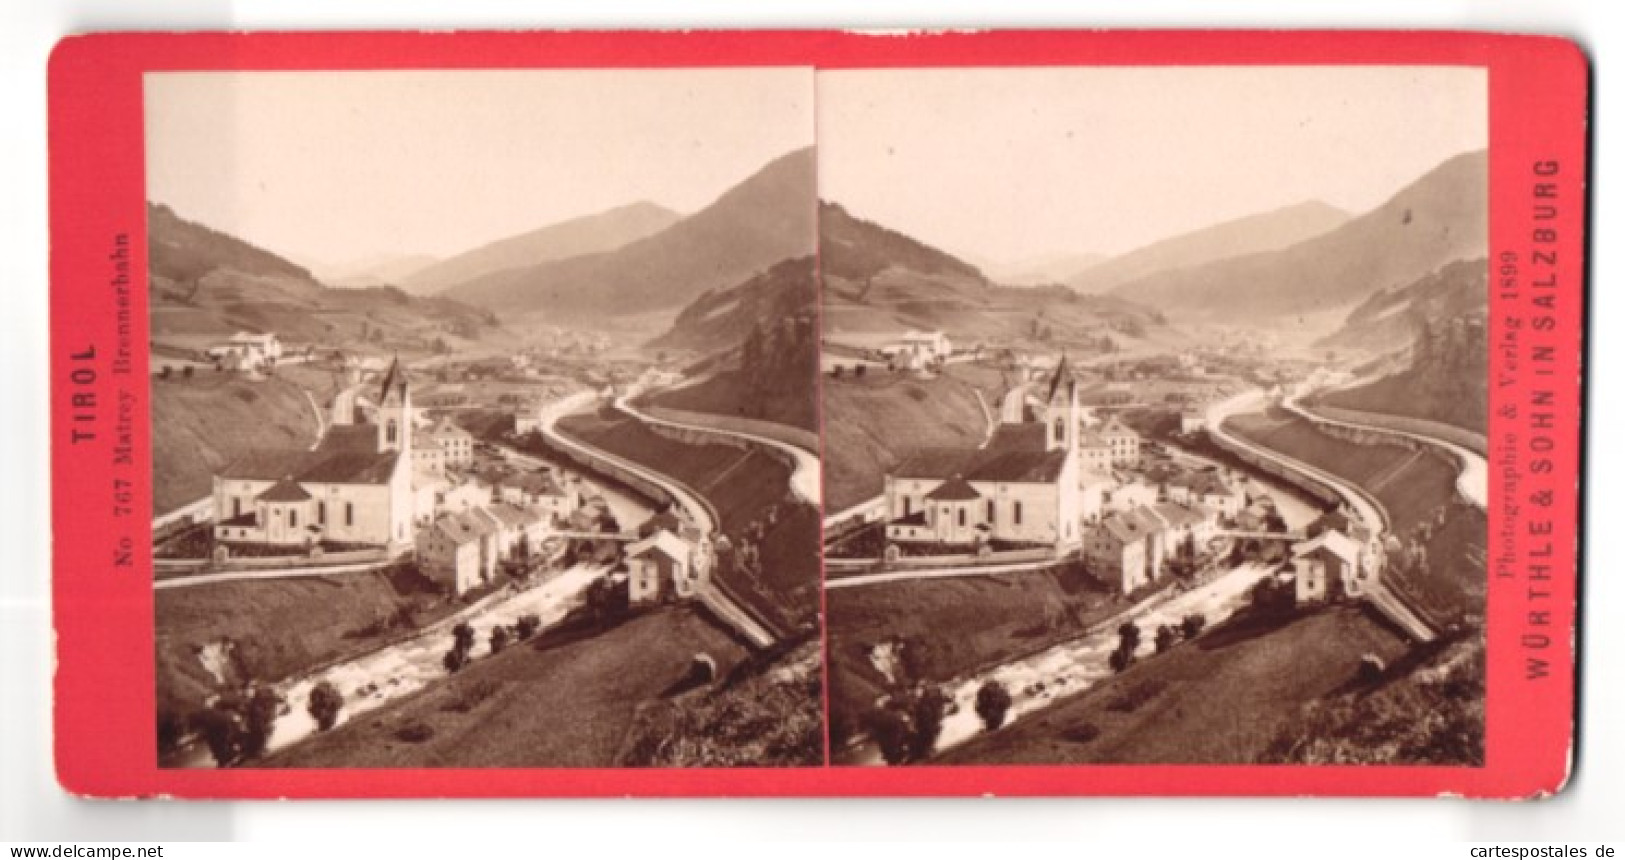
(1123, 528)
(955, 489)
(285, 490)
(1330, 541)
(462, 528)
(665, 520)
(663, 542)
(1176, 515)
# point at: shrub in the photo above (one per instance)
(1166, 637)
(463, 636)
(455, 659)
(1120, 659)
(992, 703)
(1192, 625)
(259, 720)
(415, 732)
(891, 733)
(325, 702)
(929, 709)
(527, 625)
(499, 639)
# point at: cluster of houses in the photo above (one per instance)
(1053, 475)
(385, 475)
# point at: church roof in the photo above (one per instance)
(1027, 436)
(323, 466)
(350, 437)
(285, 490)
(1020, 467)
(955, 489)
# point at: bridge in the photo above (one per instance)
(624, 537)
(1246, 535)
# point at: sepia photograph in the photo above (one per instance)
(1155, 411)
(485, 418)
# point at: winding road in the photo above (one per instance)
(806, 481)
(1473, 478)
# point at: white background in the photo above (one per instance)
(33, 807)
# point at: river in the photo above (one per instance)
(371, 680)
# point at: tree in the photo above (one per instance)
(1191, 626)
(325, 702)
(1166, 637)
(164, 373)
(259, 720)
(221, 729)
(187, 371)
(1128, 636)
(1120, 659)
(499, 639)
(992, 703)
(929, 709)
(858, 370)
(527, 625)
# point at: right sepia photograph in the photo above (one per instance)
(1154, 407)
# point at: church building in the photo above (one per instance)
(354, 487)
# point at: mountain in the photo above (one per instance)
(760, 342)
(205, 284)
(879, 282)
(767, 218)
(1438, 219)
(591, 234)
(1390, 319)
(387, 269)
(720, 320)
(1266, 231)
(1052, 269)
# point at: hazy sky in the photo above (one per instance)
(334, 167)
(1007, 165)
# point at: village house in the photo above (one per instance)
(247, 351)
(917, 350)
(459, 551)
(1124, 443)
(1123, 551)
(355, 487)
(671, 560)
(455, 443)
(538, 489)
(1209, 489)
(1327, 567)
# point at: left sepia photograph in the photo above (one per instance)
(485, 418)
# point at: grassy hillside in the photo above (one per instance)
(763, 714)
(879, 281)
(205, 284)
(560, 700)
(1222, 698)
(1440, 218)
(763, 335)
(766, 218)
(276, 628)
(1391, 319)
(992, 619)
(1427, 713)
(750, 490)
(1447, 376)
(874, 422)
(202, 423)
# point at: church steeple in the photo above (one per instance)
(395, 410)
(1061, 410)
